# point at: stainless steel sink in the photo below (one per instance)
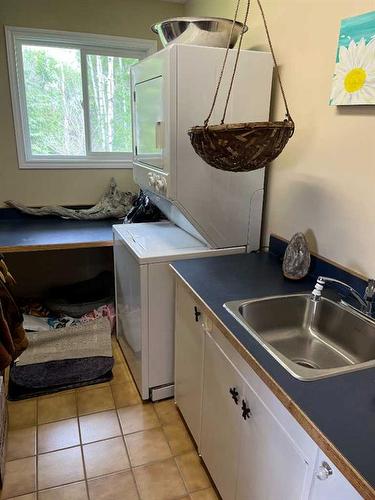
(311, 340)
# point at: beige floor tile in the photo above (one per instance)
(159, 481)
(59, 393)
(125, 394)
(105, 457)
(167, 412)
(29, 496)
(178, 438)
(60, 467)
(192, 471)
(75, 491)
(99, 426)
(57, 407)
(21, 443)
(120, 374)
(20, 477)
(138, 418)
(58, 435)
(147, 446)
(208, 494)
(117, 353)
(93, 386)
(118, 486)
(95, 400)
(22, 413)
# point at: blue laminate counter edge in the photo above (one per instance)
(342, 408)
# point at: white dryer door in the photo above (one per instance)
(149, 122)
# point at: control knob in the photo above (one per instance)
(151, 180)
(161, 185)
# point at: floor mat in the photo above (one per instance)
(54, 376)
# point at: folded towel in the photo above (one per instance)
(83, 341)
(35, 323)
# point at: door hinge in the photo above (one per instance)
(196, 313)
(134, 95)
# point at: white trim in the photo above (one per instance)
(88, 43)
(83, 39)
(77, 165)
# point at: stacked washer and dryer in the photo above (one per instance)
(209, 212)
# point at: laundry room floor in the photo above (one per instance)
(101, 443)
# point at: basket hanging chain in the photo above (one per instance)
(274, 61)
(236, 61)
(289, 118)
(223, 66)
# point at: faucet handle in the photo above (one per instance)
(370, 289)
(317, 292)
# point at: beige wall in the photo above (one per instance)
(131, 18)
(324, 182)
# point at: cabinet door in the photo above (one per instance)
(271, 465)
(329, 483)
(188, 359)
(221, 419)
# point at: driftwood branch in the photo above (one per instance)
(113, 204)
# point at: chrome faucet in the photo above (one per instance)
(369, 296)
(366, 303)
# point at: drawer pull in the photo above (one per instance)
(324, 471)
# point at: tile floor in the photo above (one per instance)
(101, 443)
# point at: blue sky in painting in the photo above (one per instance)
(355, 28)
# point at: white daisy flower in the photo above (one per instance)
(354, 78)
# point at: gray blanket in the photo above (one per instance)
(85, 341)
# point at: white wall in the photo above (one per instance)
(324, 182)
(131, 18)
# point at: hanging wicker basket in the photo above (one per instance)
(241, 147)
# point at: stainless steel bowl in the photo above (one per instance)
(207, 31)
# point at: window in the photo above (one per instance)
(71, 97)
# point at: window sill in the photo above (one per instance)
(79, 165)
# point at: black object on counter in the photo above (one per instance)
(143, 210)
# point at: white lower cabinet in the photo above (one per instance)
(271, 465)
(252, 446)
(189, 338)
(248, 453)
(221, 418)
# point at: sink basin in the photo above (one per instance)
(311, 340)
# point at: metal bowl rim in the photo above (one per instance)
(155, 26)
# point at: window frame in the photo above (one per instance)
(88, 44)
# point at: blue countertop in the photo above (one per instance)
(341, 407)
(25, 233)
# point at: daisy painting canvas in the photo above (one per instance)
(354, 77)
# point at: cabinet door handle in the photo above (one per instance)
(246, 412)
(234, 393)
(324, 471)
(197, 314)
